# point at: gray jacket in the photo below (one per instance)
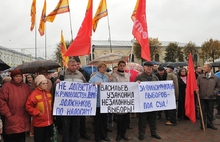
(172, 76)
(208, 88)
(73, 77)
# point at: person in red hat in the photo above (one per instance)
(13, 97)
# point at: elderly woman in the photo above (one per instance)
(13, 97)
(39, 105)
(100, 120)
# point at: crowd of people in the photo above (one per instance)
(26, 102)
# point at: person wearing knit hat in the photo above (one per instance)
(39, 79)
(41, 110)
(13, 96)
(16, 72)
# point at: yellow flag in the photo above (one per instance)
(101, 12)
(42, 20)
(65, 59)
(62, 7)
(33, 14)
(134, 12)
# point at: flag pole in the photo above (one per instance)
(109, 33)
(45, 40)
(35, 38)
(130, 57)
(200, 110)
(71, 29)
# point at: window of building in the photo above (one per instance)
(157, 58)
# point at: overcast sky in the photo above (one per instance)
(168, 20)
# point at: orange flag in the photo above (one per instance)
(42, 20)
(81, 45)
(33, 14)
(191, 86)
(140, 31)
(134, 12)
(101, 12)
(65, 59)
(62, 7)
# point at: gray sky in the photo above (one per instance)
(168, 20)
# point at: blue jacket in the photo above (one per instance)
(218, 75)
(98, 77)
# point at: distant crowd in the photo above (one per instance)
(26, 102)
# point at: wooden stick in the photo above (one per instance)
(200, 110)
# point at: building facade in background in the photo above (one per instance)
(102, 47)
(12, 57)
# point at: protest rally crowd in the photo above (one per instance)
(26, 102)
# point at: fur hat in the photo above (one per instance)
(39, 79)
(6, 79)
(15, 72)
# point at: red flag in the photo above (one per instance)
(191, 86)
(140, 31)
(81, 45)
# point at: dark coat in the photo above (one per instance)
(182, 89)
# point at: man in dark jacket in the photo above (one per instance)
(147, 75)
(209, 86)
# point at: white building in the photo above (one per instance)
(12, 57)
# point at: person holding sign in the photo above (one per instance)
(147, 75)
(71, 124)
(122, 119)
(172, 113)
(82, 128)
(39, 105)
(100, 120)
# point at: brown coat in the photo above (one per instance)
(172, 76)
(208, 88)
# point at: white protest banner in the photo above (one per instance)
(157, 95)
(74, 98)
(119, 97)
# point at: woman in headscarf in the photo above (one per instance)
(13, 97)
(182, 76)
(39, 105)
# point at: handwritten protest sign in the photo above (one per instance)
(157, 95)
(74, 98)
(119, 97)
